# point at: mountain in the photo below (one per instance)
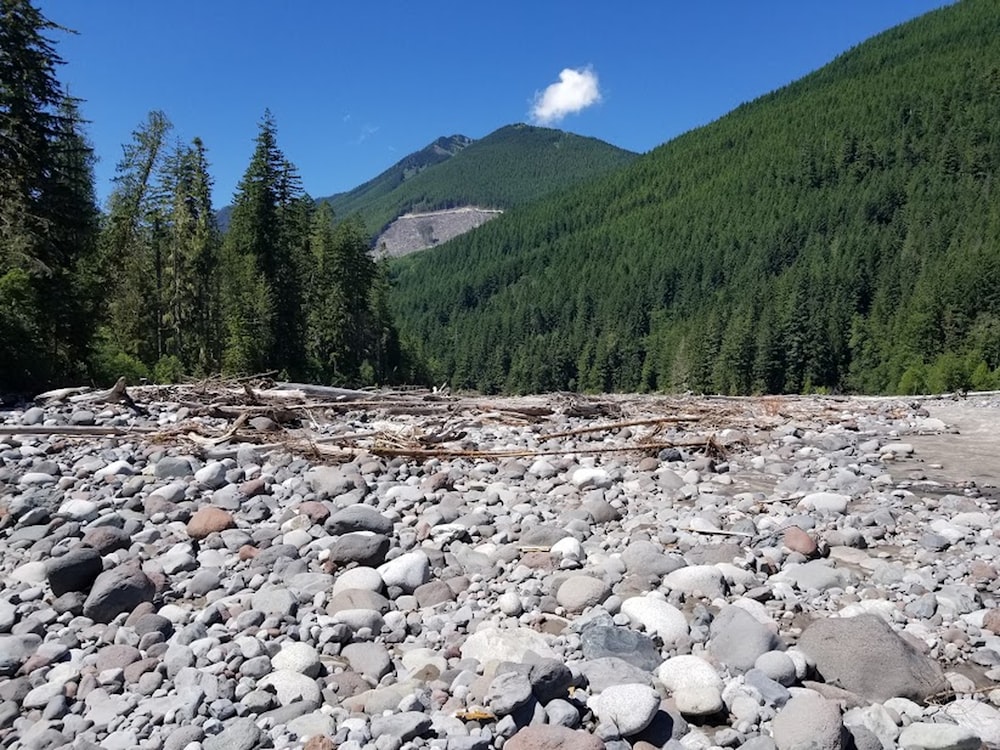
(841, 233)
(514, 165)
(357, 200)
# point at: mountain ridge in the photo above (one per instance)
(837, 233)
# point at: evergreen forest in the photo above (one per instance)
(839, 234)
(151, 288)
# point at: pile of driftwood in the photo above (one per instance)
(337, 424)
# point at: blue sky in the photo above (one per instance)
(356, 86)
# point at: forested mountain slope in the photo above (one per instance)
(842, 232)
(360, 198)
(514, 165)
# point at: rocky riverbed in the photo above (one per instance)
(664, 573)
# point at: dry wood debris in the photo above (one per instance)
(336, 424)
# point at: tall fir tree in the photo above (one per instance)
(264, 264)
(132, 245)
(48, 216)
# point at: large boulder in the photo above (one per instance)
(865, 655)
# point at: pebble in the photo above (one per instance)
(251, 597)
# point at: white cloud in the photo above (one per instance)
(576, 90)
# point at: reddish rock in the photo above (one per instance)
(253, 487)
(320, 743)
(799, 541)
(547, 737)
(248, 552)
(317, 512)
(209, 520)
(538, 560)
(991, 621)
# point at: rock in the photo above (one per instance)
(799, 541)
(495, 645)
(980, 718)
(173, 467)
(825, 502)
(778, 666)
(405, 725)
(926, 736)
(630, 708)
(648, 558)
(369, 659)
(209, 520)
(550, 679)
(240, 734)
(603, 673)
(658, 617)
(600, 641)
(696, 580)
(211, 476)
(738, 638)
(358, 518)
(578, 593)
(329, 481)
(553, 738)
(508, 692)
(887, 667)
(408, 571)
(362, 547)
(297, 657)
(808, 721)
(292, 687)
(696, 686)
(118, 590)
(75, 571)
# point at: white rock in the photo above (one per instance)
(657, 616)
(825, 502)
(291, 687)
(30, 573)
(981, 718)
(591, 477)
(696, 686)
(78, 509)
(510, 604)
(568, 548)
(418, 658)
(115, 468)
(631, 708)
(296, 656)
(577, 593)
(929, 736)
(496, 645)
(704, 580)
(408, 571)
(367, 579)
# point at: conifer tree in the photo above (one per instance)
(133, 245)
(47, 211)
(264, 258)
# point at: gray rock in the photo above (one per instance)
(648, 558)
(562, 713)
(887, 667)
(603, 673)
(577, 593)
(550, 679)
(600, 641)
(329, 481)
(118, 590)
(772, 691)
(405, 725)
(927, 736)
(239, 734)
(358, 518)
(508, 692)
(808, 721)
(75, 571)
(363, 548)
(369, 659)
(171, 467)
(629, 707)
(738, 638)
